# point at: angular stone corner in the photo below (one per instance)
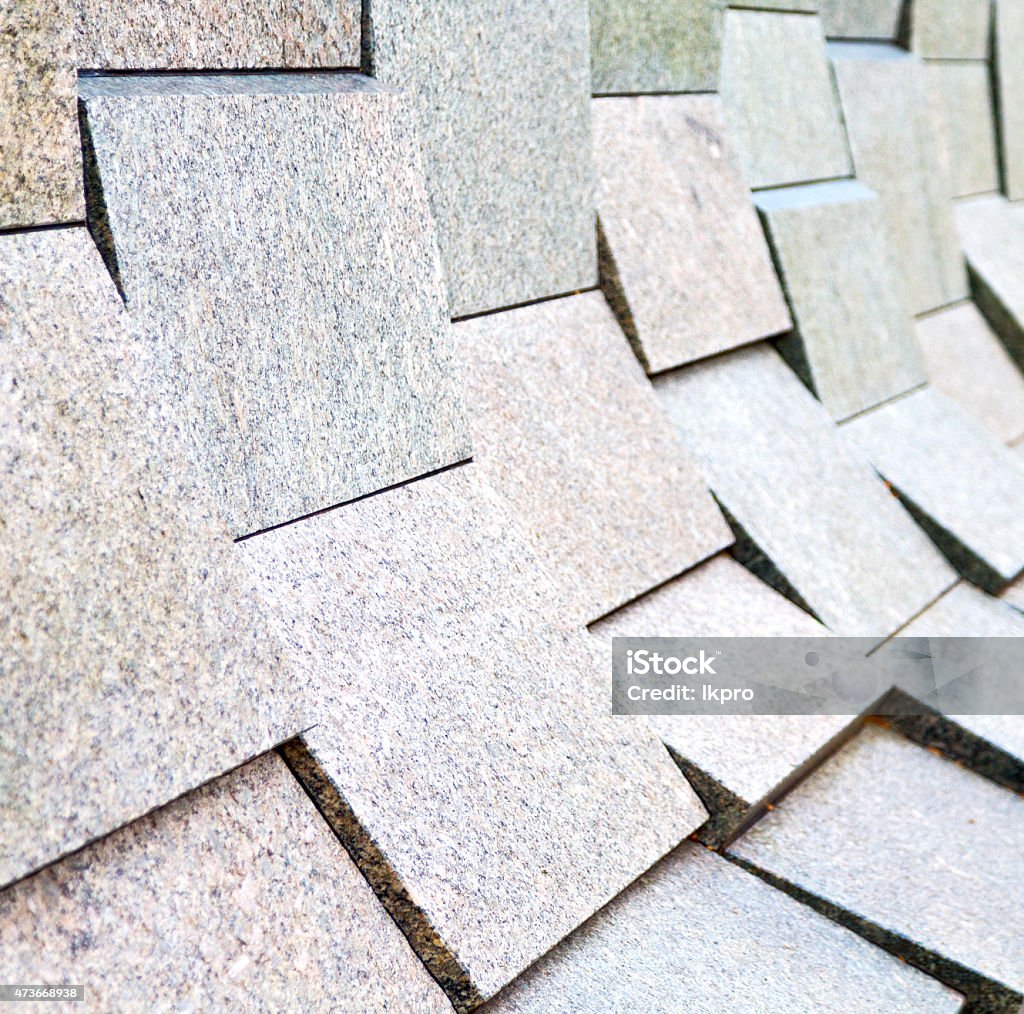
(684, 264)
(134, 660)
(502, 94)
(567, 428)
(273, 238)
(950, 29)
(1009, 85)
(238, 886)
(664, 46)
(893, 134)
(780, 103)
(466, 754)
(771, 454)
(853, 337)
(880, 20)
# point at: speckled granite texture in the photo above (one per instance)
(697, 934)
(1008, 39)
(134, 661)
(965, 360)
(772, 454)
(853, 344)
(779, 99)
(965, 487)
(664, 46)
(272, 235)
(889, 119)
(950, 29)
(502, 92)
(862, 19)
(937, 850)
(239, 890)
(566, 427)
(466, 755)
(682, 258)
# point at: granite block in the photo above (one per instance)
(40, 162)
(853, 344)
(700, 935)
(966, 124)
(891, 124)
(135, 662)
(272, 235)
(862, 19)
(779, 99)
(502, 94)
(787, 6)
(567, 428)
(683, 260)
(467, 755)
(667, 46)
(937, 856)
(771, 454)
(950, 29)
(1009, 85)
(966, 362)
(237, 889)
(963, 485)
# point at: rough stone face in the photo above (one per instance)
(965, 487)
(771, 454)
(683, 259)
(238, 887)
(936, 852)
(666, 46)
(272, 236)
(780, 104)
(1009, 77)
(892, 131)
(950, 29)
(502, 91)
(467, 755)
(134, 664)
(701, 935)
(853, 344)
(966, 361)
(862, 19)
(567, 428)
(966, 124)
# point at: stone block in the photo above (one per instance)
(779, 99)
(853, 344)
(772, 454)
(1009, 84)
(950, 29)
(862, 19)
(683, 260)
(567, 428)
(273, 239)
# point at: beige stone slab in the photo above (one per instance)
(135, 662)
(891, 124)
(238, 889)
(950, 29)
(272, 236)
(1009, 84)
(965, 360)
(862, 19)
(567, 428)
(683, 258)
(467, 754)
(780, 103)
(817, 520)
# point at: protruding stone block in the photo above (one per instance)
(862, 19)
(950, 29)
(1009, 83)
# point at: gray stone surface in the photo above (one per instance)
(666, 46)
(771, 455)
(134, 663)
(683, 258)
(700, 935)
(272, 235)
(965, 485)
(966, 124)
(237, 890)
(862, 19)
(748, 755)
(467, 754)
(890, 122)
(966, 361)
(567, 428)
(937, 857)
(950, 29)
(853, 343)
(1009, 83)
(779, 99)
(502, 91)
